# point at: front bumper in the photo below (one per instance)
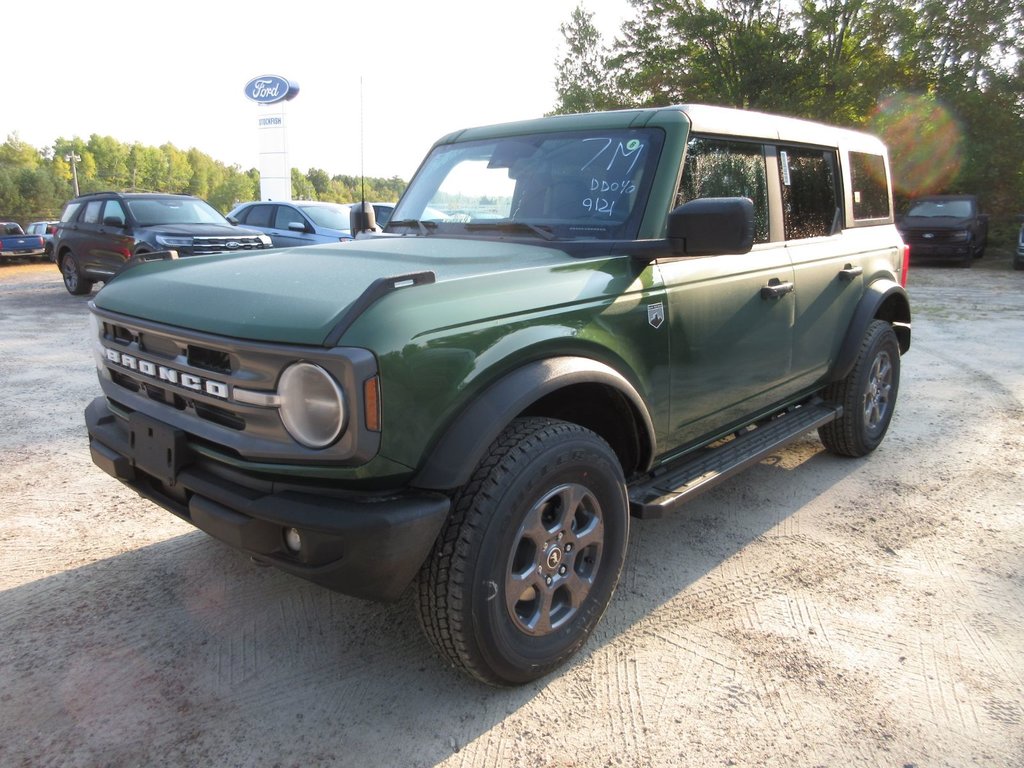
(364, 545)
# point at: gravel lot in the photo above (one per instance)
(813, 611)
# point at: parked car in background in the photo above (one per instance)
(99, 232)
(14, 243)
(45, 230)
(945, 226)
(303, 222)
(298, 222)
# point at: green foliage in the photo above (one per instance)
(941, 81)
(583, 82)
(35, 184)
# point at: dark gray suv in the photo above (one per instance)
(99, 232)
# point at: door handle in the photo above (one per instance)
(776, 289)
(849, 272)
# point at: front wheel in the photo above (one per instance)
(529, 559)
(867, 395)
(74, 280)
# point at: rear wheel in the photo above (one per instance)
(867, 395)
(531, 555)
(74, 280)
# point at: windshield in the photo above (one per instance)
(172, 210)
(560, 185)
(933, 209)
(328, 216)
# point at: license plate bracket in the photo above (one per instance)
(158, 449)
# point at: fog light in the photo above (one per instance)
(292, 539)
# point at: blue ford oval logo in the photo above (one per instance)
(268, 89)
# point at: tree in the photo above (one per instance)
(740, 53)
(583, 82)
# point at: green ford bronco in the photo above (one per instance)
(566, 322)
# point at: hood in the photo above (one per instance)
(201, 230)
(298, 295)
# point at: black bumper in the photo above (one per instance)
(362, 545)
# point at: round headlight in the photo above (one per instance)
(312, 405)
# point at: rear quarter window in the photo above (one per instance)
(70, 211)
(870, 186)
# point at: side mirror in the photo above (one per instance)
(113, 221)
(232, 220)
(296, 226)
(712, 226)
(362, 218)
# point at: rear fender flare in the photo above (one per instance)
(883, 300)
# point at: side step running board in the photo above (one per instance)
(658, 495)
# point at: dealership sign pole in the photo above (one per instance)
(271, 93)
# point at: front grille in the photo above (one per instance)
(188, 380)
(935, 238)
(204, 245)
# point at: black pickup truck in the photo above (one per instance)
(945, 226)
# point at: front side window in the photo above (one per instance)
(720, 168)
(287, 215)
(810, 199)
(573, 185)
(113, 211)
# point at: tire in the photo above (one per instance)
(527, 563)
(867, 395)
(1018, 262)
(74, 280)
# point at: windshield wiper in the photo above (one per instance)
(513, 226)
(424, 227)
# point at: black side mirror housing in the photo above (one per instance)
(712, 226)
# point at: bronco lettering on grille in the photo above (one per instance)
(167, 375)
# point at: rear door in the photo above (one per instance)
(829, 260)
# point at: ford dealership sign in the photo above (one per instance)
(268, 89)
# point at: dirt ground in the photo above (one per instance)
(814, 611)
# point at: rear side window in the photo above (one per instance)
(260, 216)
(870, 188)
(92, 212)
(810, 199)
(720, 168)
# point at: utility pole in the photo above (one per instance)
(73, 159)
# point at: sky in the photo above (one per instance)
(148, 73)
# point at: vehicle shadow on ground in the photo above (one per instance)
(186, 652)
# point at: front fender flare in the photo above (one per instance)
(454, 456)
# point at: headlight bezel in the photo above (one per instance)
(312, 405)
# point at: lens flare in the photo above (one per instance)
(925, 142)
